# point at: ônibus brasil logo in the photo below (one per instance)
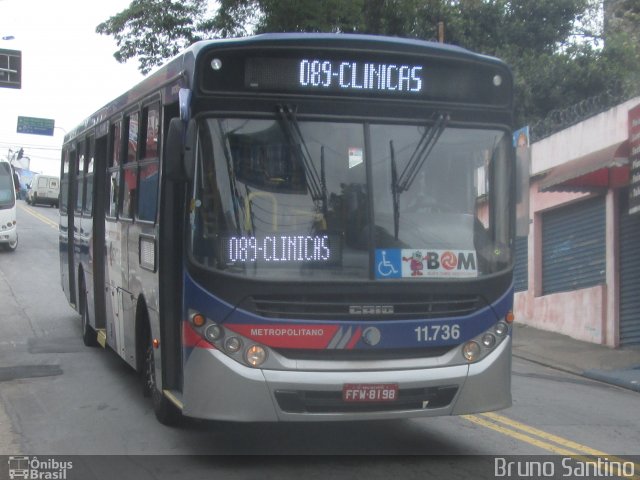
(33, 468)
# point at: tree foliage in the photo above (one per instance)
(553, 46)
(154, 30)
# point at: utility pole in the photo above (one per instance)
(441, 32)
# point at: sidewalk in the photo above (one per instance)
(619, 366)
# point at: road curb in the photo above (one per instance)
(629, 378)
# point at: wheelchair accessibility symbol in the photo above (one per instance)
(388, 263)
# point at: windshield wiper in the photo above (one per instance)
(425, 145)
(291, 129)
(394, 191)
(232, 174)
(401, 183)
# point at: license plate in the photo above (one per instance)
(370, 392)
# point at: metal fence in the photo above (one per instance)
(562, 118)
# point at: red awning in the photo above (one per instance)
(606, 168)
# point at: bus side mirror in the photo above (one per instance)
(173, 166)
(189, 159)
(180, 151)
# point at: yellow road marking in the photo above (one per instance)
(39, 216)
(542, 434)
(546, 441)
(518, 436)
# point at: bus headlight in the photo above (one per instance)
(213, 332)
(255, 355)
(232, 344)
(488, 340)
(471, 351)
(501, 329)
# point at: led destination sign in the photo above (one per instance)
(282, 249)
(360, 75)
(347, 75)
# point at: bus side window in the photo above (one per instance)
(151, 122)
(88, 189)
(64, 183)
(150, 165)
(132, 144)
(80, 152)
(114, 170)
(129, 194)
(130, 170)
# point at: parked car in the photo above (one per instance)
(44, 189)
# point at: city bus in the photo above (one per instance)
(300, 227)
(8, 224)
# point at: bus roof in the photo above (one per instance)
(351, 39)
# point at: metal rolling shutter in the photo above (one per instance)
(629, 275)
(573, 246)
(521, 265)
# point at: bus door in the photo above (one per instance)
(84, 222)
(114, 274)
(67, 223)
(129, 239)
(78, 236)
(115, 271)
(97, 209)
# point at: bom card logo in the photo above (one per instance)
(426, 263)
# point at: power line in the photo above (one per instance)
(28, 146)
(36, 157)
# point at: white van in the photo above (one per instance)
(44, 189)
(8, 227)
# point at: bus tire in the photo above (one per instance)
(11, 246)
(166, 412)
(89, 336)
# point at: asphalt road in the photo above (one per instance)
(58, 397)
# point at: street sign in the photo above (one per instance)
(36, 126)
(10, 68)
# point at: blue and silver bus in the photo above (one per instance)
(300, 227)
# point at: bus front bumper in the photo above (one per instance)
(219, 388)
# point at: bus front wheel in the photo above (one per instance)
(11, 246)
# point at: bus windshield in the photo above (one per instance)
(7, 198)
(287, 199)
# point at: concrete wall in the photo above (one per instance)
(589, 314)
(594, 134)
(581, 314)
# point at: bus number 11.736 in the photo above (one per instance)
(432, 333)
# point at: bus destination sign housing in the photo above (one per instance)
(333, 75)
(356, 74)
